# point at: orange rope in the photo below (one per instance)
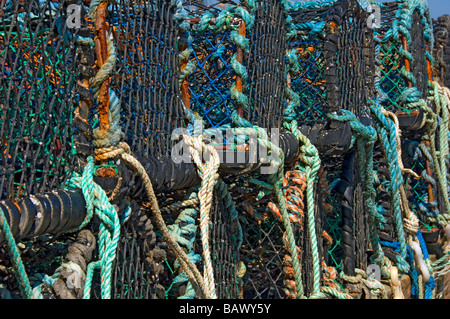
(294, 186)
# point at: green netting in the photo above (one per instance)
(405, 44)
(159, 66)
(40, 61)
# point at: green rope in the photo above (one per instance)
(401, 25)
(366, 137)
(109, 230)
(310, 157)
(439, 158)
(389, 141)
(183, 231)
(16, 260)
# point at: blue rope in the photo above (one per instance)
(430, 284)
(412, 269)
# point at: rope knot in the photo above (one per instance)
(411, 224)
(106, 153)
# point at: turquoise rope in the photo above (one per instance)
(366, 137)
(109, 230)
(16, 260)
(386, 128)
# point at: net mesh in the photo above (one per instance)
(266, 66)
(139, 260)
(146, 75)
(334, 59)
(44, 95)
(401, 69)
(418, 49)
(210, 82)
(441, 51)
(38, 92)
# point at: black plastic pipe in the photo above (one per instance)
(62, 210)
(52, 213)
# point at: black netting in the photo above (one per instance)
(146, 75)
(139, 261)
(224, 249)
(266, 65)
(212, 52)
(391, 82)
(418, 50)
(211, 80)
(441, 29)
(41, 64)
(384, 198)
(398, 70)
(262, 252)
(199, 7)
(355, 61)
(344, 215)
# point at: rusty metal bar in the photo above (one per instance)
(101, 52)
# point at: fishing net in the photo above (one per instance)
(331, 47)
(74, 89)
(42, 63)
(441, 48)
(406, 73)
(146, 74)
(266, 69)
(227, 74)
(404, 55)
(210, 74)
(44, 140)
(344, 216)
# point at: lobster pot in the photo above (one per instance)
(145, 78)
(43, 65)
(404, 57)
(206, 66)
(234, 62)
(333, 65)
(441, 52)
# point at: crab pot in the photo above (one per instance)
(48, 114)
(259, 77)
(44, 106)
(206, 89)
(405, 60)
(146, 82)
(405, 53)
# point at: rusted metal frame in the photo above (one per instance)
(101, 52)
(240, 59)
